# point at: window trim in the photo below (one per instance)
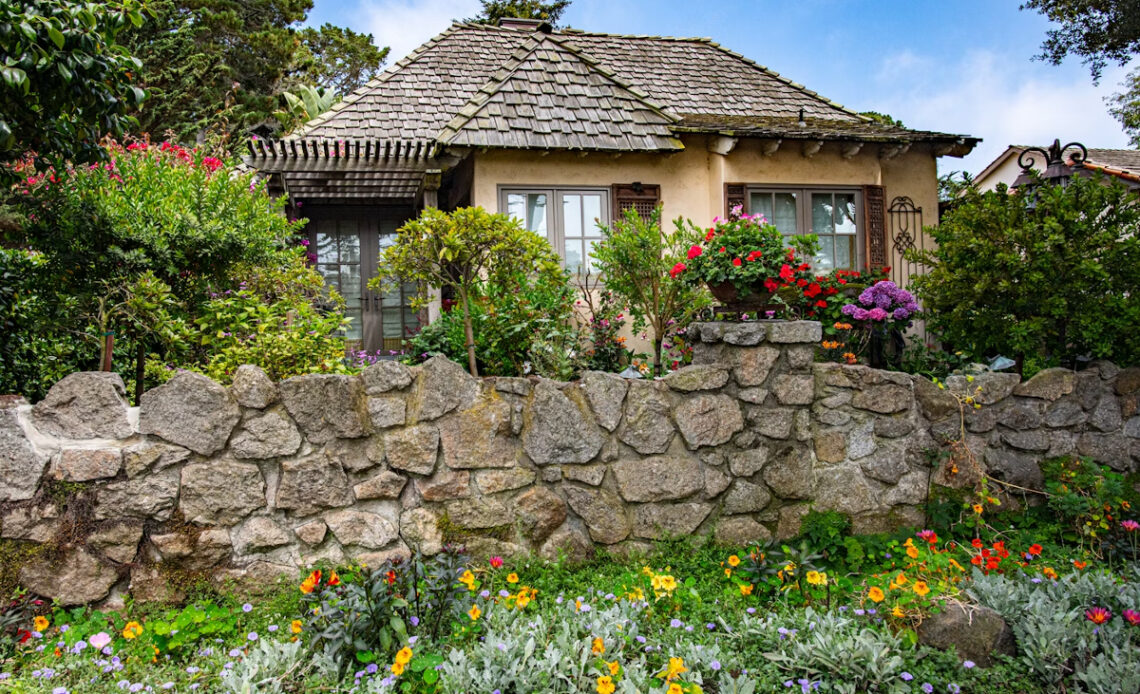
(803, 209)
(556, 223)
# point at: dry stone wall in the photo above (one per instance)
(261, 477)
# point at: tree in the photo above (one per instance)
(883, 118)
(65, 82)
(1043, 285)
(1100, 32)
(336, 59)
(305, 105)
(223, 65)
(634, 258)
(460, 250)
(494, 10)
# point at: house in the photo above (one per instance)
(563, 128)
(1120, 164)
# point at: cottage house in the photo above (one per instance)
(566, 128)
(1116, 164)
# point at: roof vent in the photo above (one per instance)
(525, 24)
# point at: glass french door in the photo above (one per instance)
(348, 245)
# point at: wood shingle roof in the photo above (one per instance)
(487, 86)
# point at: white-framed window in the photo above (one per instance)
(567, 217)
(835, 215)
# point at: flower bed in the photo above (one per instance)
(831, 613)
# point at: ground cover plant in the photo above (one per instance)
(827, 612)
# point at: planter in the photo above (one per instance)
(752, 300)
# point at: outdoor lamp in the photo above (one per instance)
(1057, 170)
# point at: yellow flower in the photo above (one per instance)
(605, 685)
(598, 647)
(956, 565)
(132, 630)
(898, 612)
(512, 578)
(397, 669)
(817, 578)
(523, 599)
(978, 508)
(746, 589)
(876, 594)
(40, 624)
(921, 589)
(727, 571)
(404, 655)
(468, 579)
(676, 667)
(614, 667)
(474, 612)
(912, 552)
(675, 689)
(734, 561)
(296, 626)
(901, 579)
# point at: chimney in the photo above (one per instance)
(525, 24)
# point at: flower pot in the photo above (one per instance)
(754, 298)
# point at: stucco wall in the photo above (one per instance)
(692, 181)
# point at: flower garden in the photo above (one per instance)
(826, 612)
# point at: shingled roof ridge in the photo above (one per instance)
(364, 90)
(511, 67)
(795, 85)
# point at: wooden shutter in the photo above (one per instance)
(641, 198)
(875, 225)
(734, 195)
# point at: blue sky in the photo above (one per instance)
(962, 66)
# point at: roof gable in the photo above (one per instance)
(549, 95)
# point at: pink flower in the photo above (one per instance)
(695, 251)
(1132, 617)
(496, 562)
(211, 164)
(877, 314)
(1098, 615)
(677, 269)
(1130, 525)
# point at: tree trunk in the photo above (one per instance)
(468, 332)
(657, 367)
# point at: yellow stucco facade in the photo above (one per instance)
(692, 181)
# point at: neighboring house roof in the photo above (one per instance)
(1120, 163)
(491, 86)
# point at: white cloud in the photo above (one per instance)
(1002, 100)
(405, 24)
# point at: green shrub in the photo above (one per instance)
(1043, 285)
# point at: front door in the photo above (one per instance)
(347, 243)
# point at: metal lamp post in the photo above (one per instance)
(1057, 171)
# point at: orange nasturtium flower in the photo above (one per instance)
(614, 667)
(912, 552)
(474, 612)
(397, 669)
(675, 688)
(334, 580)
(1049, 572)
(40, 624)
(897, 612)
(132, 630)
(512, 578)
(310, 584)
(876, 594)
(598, 647)
(978, 509)
(1080, 564)
(734, 561)
(296, 626)
(921, 589)
(605, 685)
(676, 667)
(746, 589)
(468, 579)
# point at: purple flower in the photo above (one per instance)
(907, 677)
(372, 668)
(676, 623)
(927, 687)
(877, 314)
(715, 665)
(247, 608)
(252, 636)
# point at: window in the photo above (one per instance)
(338, 261)
(832, 215)
(567, 218)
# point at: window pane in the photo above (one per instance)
(825, 261)
(392, 325)
(536, 213)
(326, 247)
(573, 254)
(590, 255)
(353, 331)
(331, 273)
(821, 215)
(591, 213)
(845, 213)
(571, 217)
(784, 216)
(350, 284)
(516, 206)
(845, 251)
(761, 204)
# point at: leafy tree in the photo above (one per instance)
(494, 10)
(1043, 284)
(634, 258)
(305, 105)
(1099, 32)
(223, 64)
(64, 80)
(336, 59)
(463, 249)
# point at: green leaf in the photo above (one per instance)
(55, 36)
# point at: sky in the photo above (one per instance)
(957, 66)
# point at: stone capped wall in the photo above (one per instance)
(261, 478)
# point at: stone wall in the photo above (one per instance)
(260, 478)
